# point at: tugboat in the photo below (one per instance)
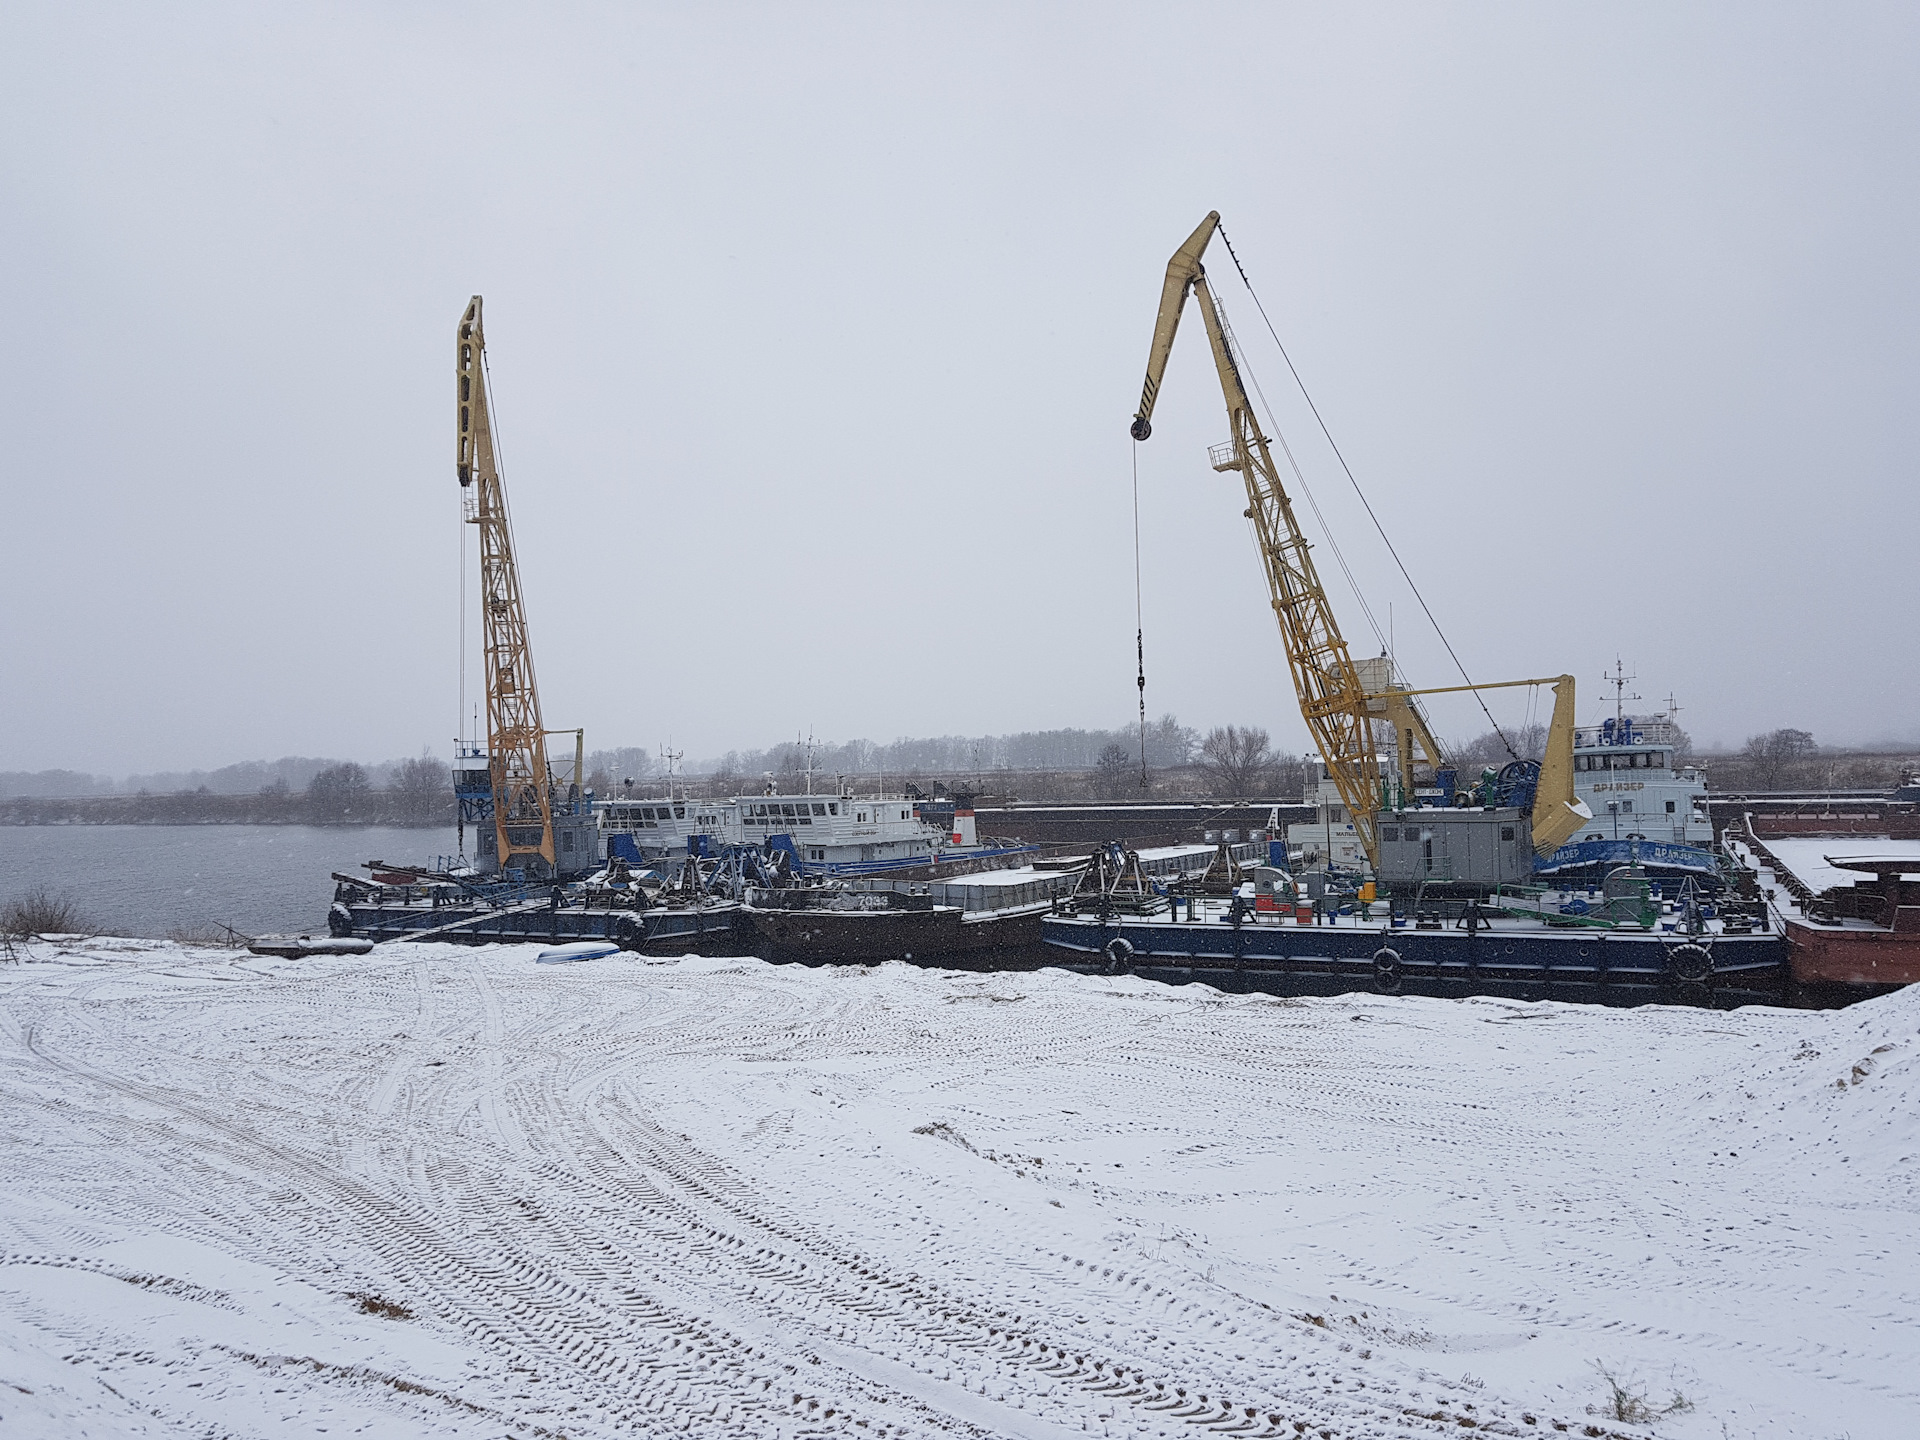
(1649, 809)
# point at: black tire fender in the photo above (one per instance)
(1119, 953)
(1386, 970)
(1690, 962)
(629, 932)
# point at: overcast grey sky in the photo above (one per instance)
(815, 331)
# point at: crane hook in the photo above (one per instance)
(1141, 428)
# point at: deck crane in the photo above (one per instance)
(516, 742)
(1339, 705)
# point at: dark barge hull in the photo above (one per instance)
(667, 930)
(942, 938)
(1609, 967)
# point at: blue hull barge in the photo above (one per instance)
(1450, 948)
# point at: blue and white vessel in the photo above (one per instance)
(837, 833)
(1649, 803)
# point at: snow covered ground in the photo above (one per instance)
(447, 1191)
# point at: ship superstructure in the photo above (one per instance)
(835, 832)
(1630, 772)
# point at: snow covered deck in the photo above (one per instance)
(448, 1191)
(1807, 857)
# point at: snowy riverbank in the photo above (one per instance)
(447, 1191)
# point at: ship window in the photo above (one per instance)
(1390, 832)
(646, 812)
(903, 814)
(1506, 832)
(786, 810)
(818, 808)
(679, 812)
(566, 840)
(1626, 805)
(1669, 807)
(833, 807)
(759, 809)
(861, 818)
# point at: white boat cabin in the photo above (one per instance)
(827, 830)
(1624, 768)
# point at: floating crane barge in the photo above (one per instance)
(1462, 911)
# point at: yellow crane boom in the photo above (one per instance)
(516, 740)
(1332, 700)
(1339, 707)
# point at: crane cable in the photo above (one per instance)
(1140, 631)
(1365, 503)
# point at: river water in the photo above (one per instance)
(150, 879)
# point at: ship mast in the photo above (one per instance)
(1619, 679)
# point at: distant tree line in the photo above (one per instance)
(416, 792)
(1168, 744)
(1789, 759)
(289, 774)
(1228, 762)
(1232, 762)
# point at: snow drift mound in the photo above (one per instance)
(1827, 1088)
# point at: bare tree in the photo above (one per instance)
(1288, 775)
(339, 793)
(422, 791)
(1236, 760)
(1775, 754)
(1113, 769)
(1170, 743)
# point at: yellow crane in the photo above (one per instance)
(516, 741)
(1339, 706)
